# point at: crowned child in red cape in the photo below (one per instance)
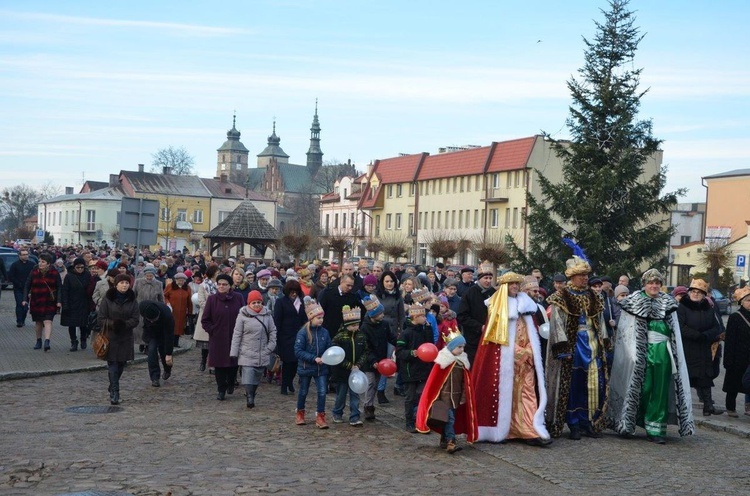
(447, 402)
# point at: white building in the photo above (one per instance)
(340, 217)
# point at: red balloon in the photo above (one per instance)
(427, 352)
(387, 367)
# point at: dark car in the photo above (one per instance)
(724, 304)
(7, 258)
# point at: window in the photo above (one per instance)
(388, 224)
(336, 221)
(181, 214)
(343, 220)
(223, 167)
(508, 180)
(440, 186)
(460, 219)
(223, 214)
(684, 240)
(198, 216)
(90, 220)
(453, 219)
(166, 214)
(462, 184)
(399, 190)
(468, 183)
(398, 221)
(476, 218)
(377, 225)
(328, 224)
(432, 220)
(239, 166)
(496, 180)
(455, 184)
(507, 218)
(390, 191)
(477, 180)
(411, 225)
(66, 217)
(515, 218)
(493, 218)
(517, 178)
(412, 188)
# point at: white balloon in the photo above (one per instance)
(544, 330)
(358, 382)
(333, 355)
(194, 299)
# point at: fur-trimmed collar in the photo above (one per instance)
(643, 306)
(521, 304)
(704, 304)
(445, 359)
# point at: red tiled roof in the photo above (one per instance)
(330, 197)
(398, 169)
(465, 162)
(511, 155)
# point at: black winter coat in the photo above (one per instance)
(411, 367)
(354, 345)
(162, 330)
(288, 322)
(472, 316)
(75, 300)
(736, 351)
(378, 335)
(700, 328)
(122, 317)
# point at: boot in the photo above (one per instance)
(452, 447)
(38, 345)
(111, 382)
(370, 413)
(382, 399)
(204, 359)
(284, 390)
(74, 345)
(251, 389)
(83, 342)
(301, 417)
(177, 341)
(46, 345)
(320, 421)
(115, 395)
(167, 373)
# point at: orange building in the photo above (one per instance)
(727, 198)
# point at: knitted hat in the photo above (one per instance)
(372, 305)
(450, 282)
(254, 295)
(263, 273)
(101, 264)
(312, 309)
(624, 290)
(121, 277)
(455, 340)
(274, 283)
(351, 315)
(370, 280)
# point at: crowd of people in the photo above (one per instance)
(516, 356)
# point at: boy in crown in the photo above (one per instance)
(379, 335)
(447, 403)
(354, 344)
(414, 372)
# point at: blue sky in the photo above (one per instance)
(90, 88)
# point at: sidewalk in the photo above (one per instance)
(19, 360)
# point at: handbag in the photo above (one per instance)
(100, 344)
(93, 322)
(275, 364)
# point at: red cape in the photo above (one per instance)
(466, 422)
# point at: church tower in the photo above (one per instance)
(231, 159)
(315, 154)
(272, 151)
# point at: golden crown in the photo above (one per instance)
(452, 334)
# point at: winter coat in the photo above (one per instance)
(162, 330)
(254, 337)
(354, 344)
(307, 351)
(393, 307)
(411, 367)
(75, 300)
(218, 320)
(288, 322)
(203, 293)
(148, 290)
(19, 272)
(332, 302)
(44, 291)
(378, 336)
(699, 327)
(182, 305)
(122, 316)
(472, 316)
(736, 351)
(100, 290)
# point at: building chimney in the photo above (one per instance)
(68, 190)
(223, 178)
(140, 168)
(114, 180)
(166, 170)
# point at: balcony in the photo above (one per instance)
(495, 195)
(88, 227)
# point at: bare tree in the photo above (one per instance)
(374, 247)
(178, 160)
(395, 245)
(18, 203)
(441, 244)
(296, 243)
(167, 220)
(337, 242)
(331, 171)
(492, 249)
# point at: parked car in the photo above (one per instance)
(724, 304)
(7, 258)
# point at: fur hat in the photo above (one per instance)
(651, 275)
(121, 277)
(312, 309)
(577, 266)
(529, 282)
(699, 284)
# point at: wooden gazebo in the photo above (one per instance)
(245, 225)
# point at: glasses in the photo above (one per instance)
(222, 284)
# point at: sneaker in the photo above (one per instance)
(356, 423)
(338, 420)
(411, 428)
(732, 413)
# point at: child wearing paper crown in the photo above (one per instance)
(378, 334)
(311, 342)
(447, 403)
(414, 372)
(354, 344)
(448, 322)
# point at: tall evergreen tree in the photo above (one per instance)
(604, 202)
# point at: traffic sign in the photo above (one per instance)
(40, 234)
(741, 259)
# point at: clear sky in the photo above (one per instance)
(90, 88)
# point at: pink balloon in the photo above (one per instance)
(427, 352)
(387, 367)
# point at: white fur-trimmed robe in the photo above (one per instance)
(499, 432)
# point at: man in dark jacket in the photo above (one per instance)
(158, 333)
(334, 299)
(472, 312)
(466, 282)
(17, 275)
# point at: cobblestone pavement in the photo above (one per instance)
(178, 439)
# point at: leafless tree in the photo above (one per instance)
(395, 245)
(177, 159)
(491, 248)
(441, 244)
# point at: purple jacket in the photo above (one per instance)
(218, 321)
